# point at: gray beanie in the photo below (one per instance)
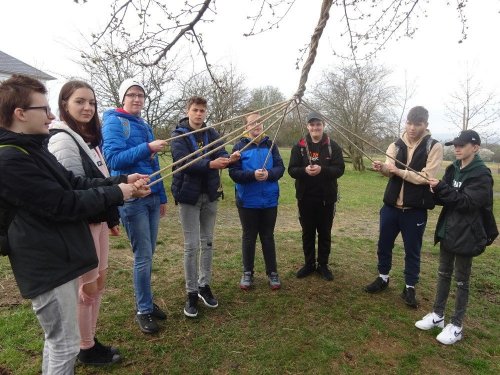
(128, 83)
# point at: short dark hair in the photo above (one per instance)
(15, 92)
(196, 100)
(417, 115)
(90, 132)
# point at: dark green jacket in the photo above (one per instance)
(465, 223)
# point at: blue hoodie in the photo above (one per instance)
(125, 147)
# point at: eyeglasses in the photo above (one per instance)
(46, 108)
(133, 96)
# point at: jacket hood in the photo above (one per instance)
(117, 113)
(476, 163)
(20, 139)
(183, 125)
(324, 140)
(405, 139)
(260, 139)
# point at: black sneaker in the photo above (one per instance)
(377, 286)
(158, 313)
(105, 348)
(207, 297)
(306, 270)
(408, 296)
(95, 356)
(147, 323)
(191, 309)
(325, 272)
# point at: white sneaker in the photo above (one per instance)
(450, 334)
(429, 321)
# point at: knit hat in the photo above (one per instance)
(126, 85)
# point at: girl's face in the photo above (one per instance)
(81, 105)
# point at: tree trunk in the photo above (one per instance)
(357, 160)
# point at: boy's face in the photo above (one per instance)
(466, 151)
(36, 118)
(315, 128)
(254, 128)
(415, 130)
(133, 101)
(197, 114)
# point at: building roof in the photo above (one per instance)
(10, 65)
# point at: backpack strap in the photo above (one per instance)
(15, 146)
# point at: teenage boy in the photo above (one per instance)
(406, 200)
(316, 162)
(465, 226)
(196, 189)
(129, 146)
(43, 218)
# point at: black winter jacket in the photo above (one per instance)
(322, 187)
(49, 238)
(461, 227)
(187, 184)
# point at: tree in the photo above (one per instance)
(227, 97)
(357, 99)
(159, 27)
(106, 70)
(263, 97)
(472, 107)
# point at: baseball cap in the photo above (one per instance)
(313, 116)
(465, 136)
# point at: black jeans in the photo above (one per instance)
(463, 266)
(315, 217)
(259, 221)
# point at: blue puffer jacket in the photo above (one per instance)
(125, 140)
(187, 185)
(251, 193)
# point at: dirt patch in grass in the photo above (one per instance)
(5, 371)
(9, 294)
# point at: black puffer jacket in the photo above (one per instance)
(188, 184)
(322, 187)
(467, 197)
(49, 238)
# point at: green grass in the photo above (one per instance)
(309, 326)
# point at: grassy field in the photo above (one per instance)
(310, 326)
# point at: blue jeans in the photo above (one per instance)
(411, 224)
(141, 218)
(56, 312)
(198, 223)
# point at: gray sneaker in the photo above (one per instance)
(246, 281)
(274, 281)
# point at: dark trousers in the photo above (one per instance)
(463, 266)
(315, 217)
(259, 221)
(411, 224)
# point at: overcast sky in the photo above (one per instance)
(46, 34)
